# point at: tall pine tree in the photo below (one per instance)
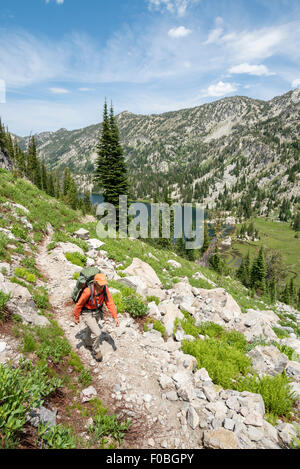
(111, 171)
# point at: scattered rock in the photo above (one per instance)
(268, 360)
(192, 418)
(88, 394)
(82, 234)
(220, 439)
(42, 415)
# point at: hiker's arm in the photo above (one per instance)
(82, 300)
(111, 306)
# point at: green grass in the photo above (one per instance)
(135, 306)
(3, 301)
(58, 437)
(25, 274)
(42, 208)
(281, 334)
(21, 389)
(47, 342)
(278, 236)
(76, 258)
(275, 391)
(222, 361)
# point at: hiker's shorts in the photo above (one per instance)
(91, 319)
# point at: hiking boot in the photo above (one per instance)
(98, 356)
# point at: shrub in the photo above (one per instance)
(153, 298)
(3, 301)
(118, 300)
(158, 326)
(222, 361)
(51, 343)
(23, 273)
(4, 241)
(58, 437)
(21, 389)
(37, 237)
(76, 258)
(19, 232)
(51, 246)
(29, 343)
(85, 378)
(41, 298)
(108, 425)
(75, 362)
(134, 306)
(281, 334)
(288, 351)
(274, 390)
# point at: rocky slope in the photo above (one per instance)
(150, 379)
(5, 162)
(202, 148)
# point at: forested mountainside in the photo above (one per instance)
(233, 149)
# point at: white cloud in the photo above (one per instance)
(296, 83)
(216, 33)
(245, 68)
(257, 44)
(59, 2)
(177, 7)
(84, 89)
(59, 91)
(220, 89)
(181, 31)
(2, 92)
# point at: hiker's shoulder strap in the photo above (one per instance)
(105, 293)
(92, 290)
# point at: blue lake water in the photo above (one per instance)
(99, 199)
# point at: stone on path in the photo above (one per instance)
(82, 234)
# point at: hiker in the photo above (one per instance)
(90, 306)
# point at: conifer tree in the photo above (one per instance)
(206, 240)
(50, 184)
(110, 169)
(56, 182)
(43, 176)
(104, 152)
(243, 272)
(292, 291)
(33, 166)
(72, 195)
(87, 202)
(215, 261)
(66, 181)
(285, 295)
(258, 272)
(10, 147)
(296, 222)
(2, 137)
(273, 291)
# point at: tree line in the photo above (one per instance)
(27, 164)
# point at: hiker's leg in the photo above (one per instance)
(94, 331)
(87, 340)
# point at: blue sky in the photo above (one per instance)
(59, 59)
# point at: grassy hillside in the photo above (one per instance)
(50, 371)
(274, 235)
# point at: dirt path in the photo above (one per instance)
(126, 380)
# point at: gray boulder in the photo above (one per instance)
(293, 370)
(82, 234)
(268, 360)
(42, 415)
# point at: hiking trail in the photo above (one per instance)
(127, 379)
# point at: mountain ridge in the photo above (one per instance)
(190, 147)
